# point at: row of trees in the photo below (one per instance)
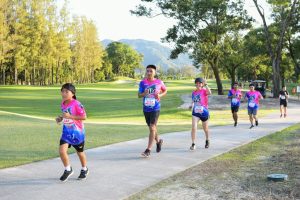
(41, 44)
(213, 32)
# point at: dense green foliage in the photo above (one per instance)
(41, 45)
(213, 32)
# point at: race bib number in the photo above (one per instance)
(282, 97)
(198, 109)
(251, 104)
(234, 100)
(149, 102)
(68, 122)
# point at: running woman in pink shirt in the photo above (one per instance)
(73, 133)
(200, 110)
(235, 96)
(253, 97)
(151, 90)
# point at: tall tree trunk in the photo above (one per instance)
(25, 79)
(56, 74)
(3, 74)
(276, 76)
(15, 74)
(52, 74)
(232, 77)
(33, 74)
(217, 77)
(231, 71)
(275, 55)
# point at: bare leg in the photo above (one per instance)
(82, 158)
(63, 152)
(152, 135)
(195, 121)
(156, 136)
(255, 117)
(284, 108)
(281, 110)
(251, 119)
(205, 129)
(235, 116)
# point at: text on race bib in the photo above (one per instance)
(68, 122)
(251, 104)
(282, 97)
(198, 109)
(149, 102)
(234, 100)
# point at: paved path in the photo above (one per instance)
(117, 171)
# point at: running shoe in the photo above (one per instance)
(256, 123)
(206, 144)
(146, 153)
(66, 175)
(158, 145)
(83, 174)
(193, 147)
(251, 126)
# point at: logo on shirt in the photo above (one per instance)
(152, 89)
(197, 98)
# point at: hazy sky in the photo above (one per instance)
(114, 21)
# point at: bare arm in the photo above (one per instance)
(75, 117)
(208, 90)
(162, 94)
(191, 106)
(145, 93)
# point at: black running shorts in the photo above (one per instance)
(235, 109)
(203, 119)
(151, 117)
(284, 103)
(79, 147)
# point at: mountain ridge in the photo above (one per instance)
(154, 53)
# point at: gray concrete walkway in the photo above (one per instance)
(117, 171)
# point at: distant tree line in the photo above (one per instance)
(42, 45)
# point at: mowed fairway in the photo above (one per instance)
(104, 102)
(24, 140)
(114, 115)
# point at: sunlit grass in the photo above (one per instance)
(24, 140)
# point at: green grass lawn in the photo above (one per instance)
(24, 140)
(105, 102)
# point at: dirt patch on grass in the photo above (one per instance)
(239, 174)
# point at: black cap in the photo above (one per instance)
(200, 80)
(251, 84)
(70, 87)
(151, 66)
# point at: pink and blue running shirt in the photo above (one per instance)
(73, 130)
(150, 103)
(236, 97)
(253, 99)
(200, 100)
